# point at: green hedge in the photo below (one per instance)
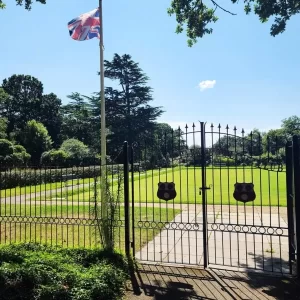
(27, 177)
(32, 271)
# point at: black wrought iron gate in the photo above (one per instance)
(204, 224)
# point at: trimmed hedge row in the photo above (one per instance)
(27, 177)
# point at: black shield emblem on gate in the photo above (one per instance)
(166, 191)
(244, 192)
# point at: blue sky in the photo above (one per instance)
(256, 76)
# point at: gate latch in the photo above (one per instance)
(203, 189)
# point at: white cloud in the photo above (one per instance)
(207, 84)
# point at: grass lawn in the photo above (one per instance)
(270, 186)
(38, 189)
(58, 188)
(71, 226)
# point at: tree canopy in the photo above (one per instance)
(35, 120)
(34, 137)
(22, 100)
(197, 16)
(129, 114)
(27, 3)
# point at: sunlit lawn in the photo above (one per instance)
(59, 188)
(270, 186)
(71, 226)
(39, 189)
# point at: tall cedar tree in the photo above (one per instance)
(129, 116)
(77, 120)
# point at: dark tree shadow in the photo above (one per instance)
(173, 290)
(176, 283)
(270, 279)
(179, 283)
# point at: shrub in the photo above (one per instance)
(14, 155)
(19, 149)
(20, 158)
(45, 159)
(26, 177)
(223, 160)
(175, 163)
(54, 158)
(76, 151)
(35, 138)
(32, 271)
(13, 177)
(6, 148)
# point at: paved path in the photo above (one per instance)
(236, 246)
(182, 242)
(17, 199)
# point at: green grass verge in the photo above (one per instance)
(38, 189)
(58, 188)
(270, 187)
(72, 226)
(31, 271)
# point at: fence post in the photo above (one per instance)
(290, 203)
(126, 199)
(296, 163)
(204, 188)
(132, 200)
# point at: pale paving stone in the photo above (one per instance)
(242, 250)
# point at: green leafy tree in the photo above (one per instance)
(51, 116)
(197, 16)
(228, 145)
(291, 126)
(13, 154)
(129, 115)
(22, 100)
(254, 142)
(76, 151)
(27, 3)
(169, 141)
(6, 148)
(3, 120)
(54, 158)
(19, 149)
(3, 128)
(35, 139)
(95, 121)
(274, 140)
(161, 147)
(20, 156)
(77, 120)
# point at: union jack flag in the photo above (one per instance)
(86, 26)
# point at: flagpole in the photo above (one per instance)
(103, 122)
